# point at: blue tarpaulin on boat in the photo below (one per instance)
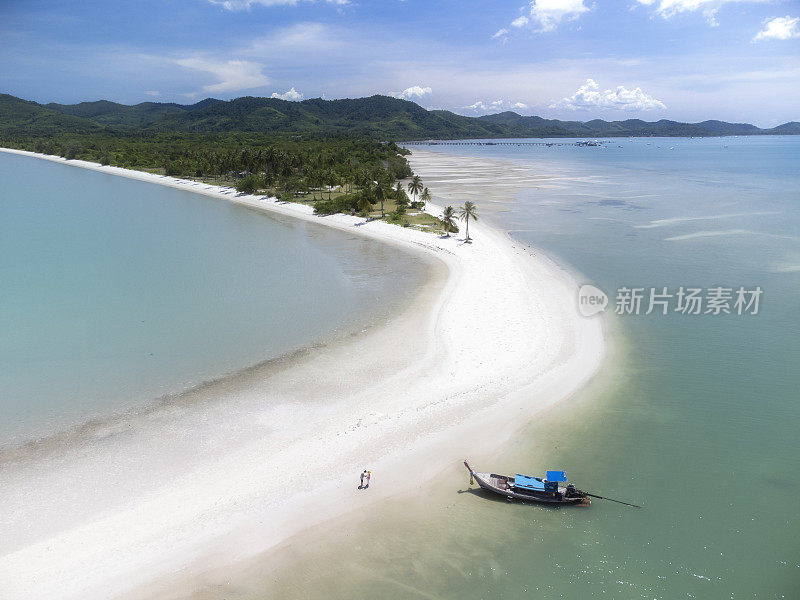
(556, 476)
(530, 483)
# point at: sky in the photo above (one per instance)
(687, 60)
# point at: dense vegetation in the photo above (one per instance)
(286, 165)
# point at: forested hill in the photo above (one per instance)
(379, 117)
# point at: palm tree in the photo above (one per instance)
(401, 199)
(415, 186)
(447, 220)
(331, 180)
(426, 197)
(380, 194)
(465, 214)
(364, 205)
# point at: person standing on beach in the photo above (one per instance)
(369, 474)
(363, 474)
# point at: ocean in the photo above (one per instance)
(694, 416)
(117, 292)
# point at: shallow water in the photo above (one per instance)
(694, 417)
(115, 292)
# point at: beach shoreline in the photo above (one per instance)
(495, 328)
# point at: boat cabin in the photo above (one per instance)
(549, 485)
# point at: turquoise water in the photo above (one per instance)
(694, 417)
(115, 291)
(703, 427)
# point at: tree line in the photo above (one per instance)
(340, 174)
(286, 166)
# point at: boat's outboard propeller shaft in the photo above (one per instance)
(612, 500)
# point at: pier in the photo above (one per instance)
(443, 143)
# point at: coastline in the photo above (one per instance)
(496, 328)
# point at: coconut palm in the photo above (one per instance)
(364, 205)
(426, 197)
(448, 214)
(399, 194)
(415, 186)
(331, 180)
(466, 213)
(379, 194)
(401, 199)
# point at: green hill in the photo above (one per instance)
(22, 117)
(539, 127)
(377, 117)
(790, 128)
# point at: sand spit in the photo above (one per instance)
(492, 338)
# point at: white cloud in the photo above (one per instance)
(297, 35)
(589, 96)
(307, 43)
(708, 8)
(246, 4)
(291, 94)
(154, 93)
(415, 91)
(546, 15)
(500, 34)
(779, 28)
(494, 106)
(233, 75)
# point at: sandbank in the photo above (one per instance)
(227, 474)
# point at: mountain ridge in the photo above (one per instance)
(379, 117)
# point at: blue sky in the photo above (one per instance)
(736, 60)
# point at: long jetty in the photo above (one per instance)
(443, 143)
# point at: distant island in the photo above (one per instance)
(376, 117)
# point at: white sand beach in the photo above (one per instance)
(238, 467)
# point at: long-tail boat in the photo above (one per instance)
(536, 489)
(531, 489)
